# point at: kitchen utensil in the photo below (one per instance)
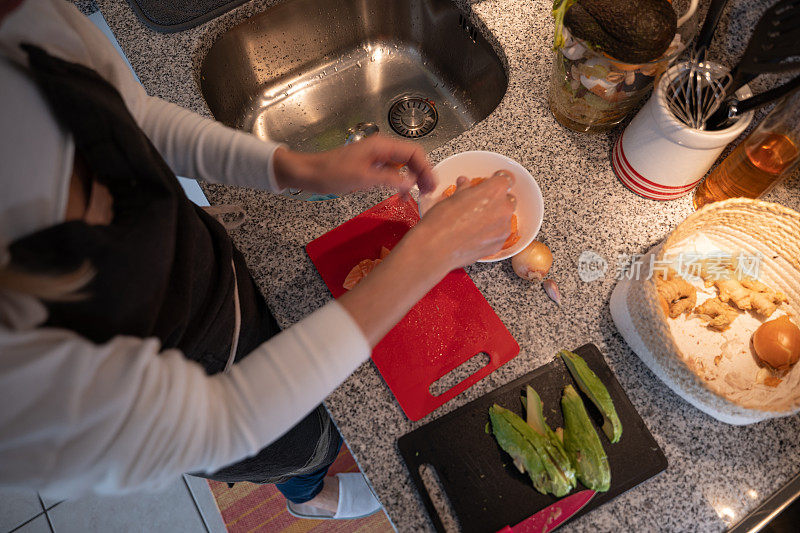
(733, 108)
(706, 34)
(484, 489)
(683, 97)
(694, 92)
(696, 97)
(754, 229)
(661, 158)
(552, 516)
(473, 164)
(774, 46)
(449, 326)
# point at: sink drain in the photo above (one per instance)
(413, 117)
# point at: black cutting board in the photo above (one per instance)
(485, 490)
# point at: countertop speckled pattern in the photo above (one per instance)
(716, 474)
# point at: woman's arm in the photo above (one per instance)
(198, 147)
(205, 149)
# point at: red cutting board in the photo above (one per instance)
(449, 326)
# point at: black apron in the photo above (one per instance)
(164, 266)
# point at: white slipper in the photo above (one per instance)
(356, 500)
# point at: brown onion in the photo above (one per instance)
(777, 343)
(534, 262)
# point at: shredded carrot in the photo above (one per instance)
(511, 240)
(364, 267)
(448, 192)
(358, 272)
(514, 236)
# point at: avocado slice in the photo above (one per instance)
(633, 31)
(528, 450)
(592, 387)
(582, 443)
(515, 444)
(555, 448)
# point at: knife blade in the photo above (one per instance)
(553, 515)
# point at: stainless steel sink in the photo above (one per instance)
(306, 71)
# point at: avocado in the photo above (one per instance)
(633, 31)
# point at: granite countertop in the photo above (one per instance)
(717, 472)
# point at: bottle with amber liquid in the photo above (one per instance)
(770, 153)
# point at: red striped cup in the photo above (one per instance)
(659, 157)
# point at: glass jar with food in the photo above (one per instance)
(607, 54)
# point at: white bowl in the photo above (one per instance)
(530, 206)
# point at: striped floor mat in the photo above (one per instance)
(253, 508)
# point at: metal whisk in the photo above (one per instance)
(695, 90)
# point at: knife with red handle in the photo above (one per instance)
(553, 515)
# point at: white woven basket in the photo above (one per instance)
(749, 226)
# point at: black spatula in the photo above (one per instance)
(774, 46)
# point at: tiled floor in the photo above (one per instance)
(185, 506)
(18, 507)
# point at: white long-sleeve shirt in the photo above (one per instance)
(126, 415)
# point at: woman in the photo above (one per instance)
(134, 345)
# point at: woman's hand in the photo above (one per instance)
(471, 224)
(373, 161)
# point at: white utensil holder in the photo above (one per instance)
(661, 158)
